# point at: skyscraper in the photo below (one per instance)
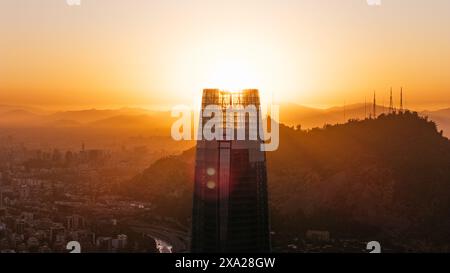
(230, 210)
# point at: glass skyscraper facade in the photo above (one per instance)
(230, 210)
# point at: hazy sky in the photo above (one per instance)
(144, 52)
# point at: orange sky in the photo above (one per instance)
(162, 52)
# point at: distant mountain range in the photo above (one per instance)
(290, 114)
(91, 118)
(293, 114)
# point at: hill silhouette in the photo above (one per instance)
(292, 115)
(386, 178)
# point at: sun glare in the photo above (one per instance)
(237, 75)
(233, 76)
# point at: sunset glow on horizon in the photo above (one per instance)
(166, 52)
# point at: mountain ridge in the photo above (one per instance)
(290, 114)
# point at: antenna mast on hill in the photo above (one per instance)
(365, 107)
(374, 105)
(391, 103)
(401, 99)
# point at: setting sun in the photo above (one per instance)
(233, 75)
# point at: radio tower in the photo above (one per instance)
(391, 103)
(401, 99)
(374, 105)
(365, 107)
